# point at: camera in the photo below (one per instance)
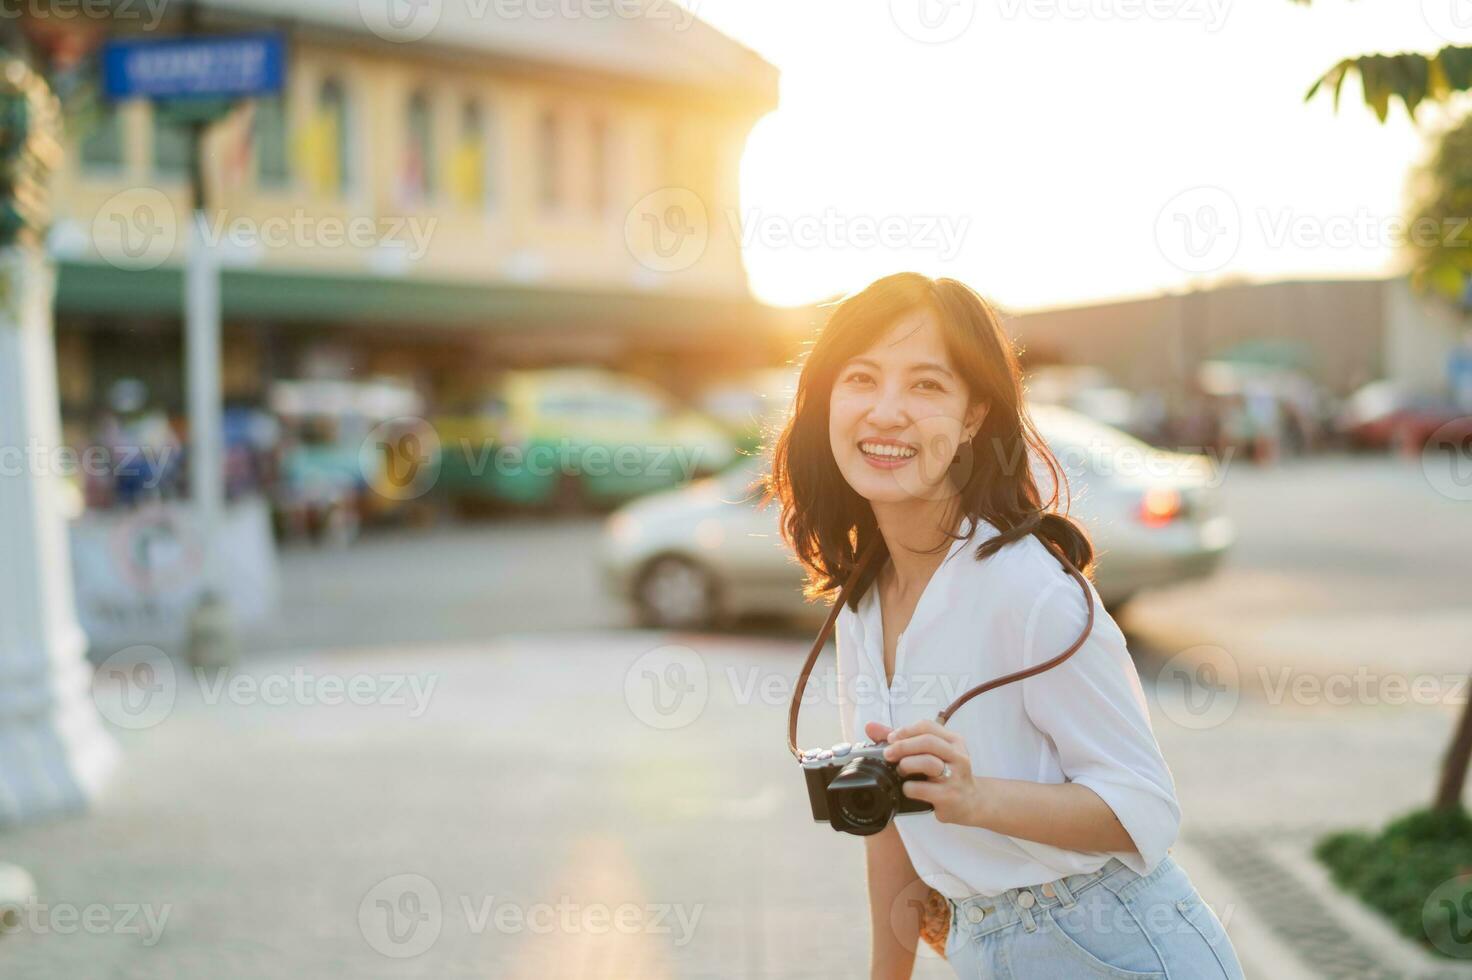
(855, 789)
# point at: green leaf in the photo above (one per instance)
(1455, 64)
(1412, 78)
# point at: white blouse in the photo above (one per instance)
(1084, 721)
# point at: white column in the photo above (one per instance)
(54, 752)
(202, 381)
(211, 627)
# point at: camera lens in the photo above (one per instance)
(862, 797)
(860, 806)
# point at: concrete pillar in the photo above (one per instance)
(54, 752)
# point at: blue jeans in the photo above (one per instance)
(1109, 923)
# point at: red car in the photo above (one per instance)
(1382, 415)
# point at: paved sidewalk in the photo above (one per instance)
(276, 838)
(275, 841)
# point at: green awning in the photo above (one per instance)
(93, 289)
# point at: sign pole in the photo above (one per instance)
(194, 78)
(210, 631)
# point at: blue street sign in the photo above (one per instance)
(194, 67)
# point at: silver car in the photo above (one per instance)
(706, 554)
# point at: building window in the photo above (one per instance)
(669, 155)
(598, 164)
(549, 142)
(268, 139)
(171, 145)
(419, 159)
(102, 144)
(469, 169)
(327, 142)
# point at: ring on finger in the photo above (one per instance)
(945, 772)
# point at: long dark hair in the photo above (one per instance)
(828, 524)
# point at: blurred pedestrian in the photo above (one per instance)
(143, 449)
(1264, 423)
(1459, 372)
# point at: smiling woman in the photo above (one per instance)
(911, 401)
(1050, 812)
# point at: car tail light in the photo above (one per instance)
(1160, 506)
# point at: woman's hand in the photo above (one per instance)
(1067, 815)
(931, 750)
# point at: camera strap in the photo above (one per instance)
(865, 560)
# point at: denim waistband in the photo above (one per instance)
(982, 914)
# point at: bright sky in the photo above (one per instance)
(1048, 152)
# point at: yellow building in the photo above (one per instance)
(444, 188)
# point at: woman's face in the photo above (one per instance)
(898, 412)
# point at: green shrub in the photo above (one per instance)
(1397, 871)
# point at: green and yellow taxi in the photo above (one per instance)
(573, 437)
